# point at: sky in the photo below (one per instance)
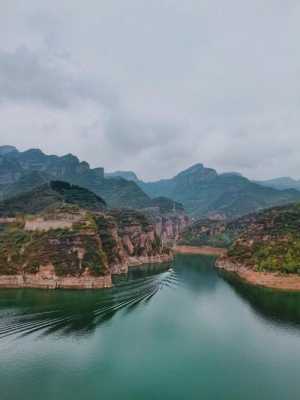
(154, 86)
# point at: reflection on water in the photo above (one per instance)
(71, 312)
(197, 276)
(274, 305)
(65, 312)
(160, 333)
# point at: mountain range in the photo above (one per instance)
(281, 183)
(202, 191)
(22, 171)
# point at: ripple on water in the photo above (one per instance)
(24, 312)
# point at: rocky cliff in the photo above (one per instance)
(263, 248)
(268, 241)
(71, 247)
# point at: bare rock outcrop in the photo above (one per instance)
(74, 248)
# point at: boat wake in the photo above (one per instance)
(24, 312)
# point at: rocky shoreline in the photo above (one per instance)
(204, 250)
(269, 280)
(47, 279)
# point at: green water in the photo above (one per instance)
(186, 333)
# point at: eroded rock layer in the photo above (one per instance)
(70, 247)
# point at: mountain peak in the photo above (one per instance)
(197, 172)
(192, 170)
(7, 149)
(128, 175)
(232, 173)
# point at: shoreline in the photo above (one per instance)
(270, 280)
(201, 250)
(36, 281)
(46, 278)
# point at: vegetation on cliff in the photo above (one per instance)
(75, 242)
(49, 194)
(264, 241)
(271, 241)
(24, 251)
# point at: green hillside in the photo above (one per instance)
(265, 241)
(23, 171)
(203, 192)
(50, 194)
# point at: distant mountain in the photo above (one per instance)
(231, 174)
(200, 190)
(166, 205)
(7, 149)
(282, 183)
(26, 182)
(204, 192)
(23, 171)
(52, 194)
(128, 175)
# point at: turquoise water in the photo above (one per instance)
(185, 333)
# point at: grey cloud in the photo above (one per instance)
(131, 135)
(161, 145)
(26, 76)
(155, 86)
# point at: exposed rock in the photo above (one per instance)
(273, 280)
(75, 248)
(201, 250)
(54, 282)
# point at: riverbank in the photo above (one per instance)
(201, 250)
(47, 279)
(38, 281)
(270, 280)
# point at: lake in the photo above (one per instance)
(183, 333)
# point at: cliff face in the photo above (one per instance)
(170, 227)
(206, 232)
(268, 241)
(74, 248)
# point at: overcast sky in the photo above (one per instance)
(154, 85)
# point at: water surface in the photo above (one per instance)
(185, 333)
